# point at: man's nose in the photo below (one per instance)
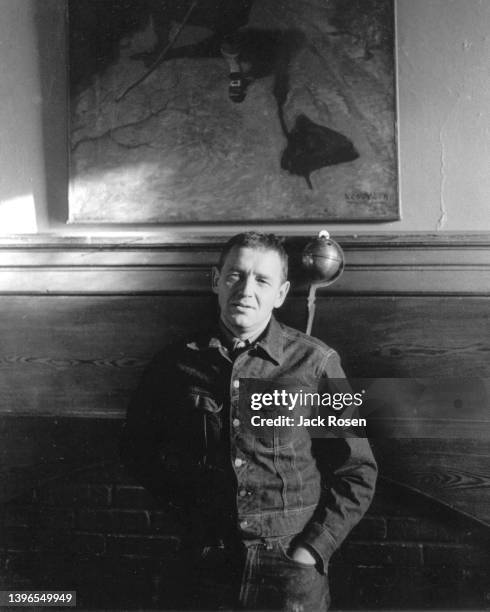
(247, 285)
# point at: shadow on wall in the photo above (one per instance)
(50, 24)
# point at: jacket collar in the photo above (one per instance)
(271, 340)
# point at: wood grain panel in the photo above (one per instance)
(83, 355)
(459, 479)
(396, 337)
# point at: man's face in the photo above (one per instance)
(249, 286)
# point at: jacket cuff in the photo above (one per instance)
(315, 536)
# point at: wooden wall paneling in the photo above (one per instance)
(408, 336)
(455, 472)
(80, 318)
(83, 354)
(374, 265)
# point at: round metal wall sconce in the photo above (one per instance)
(323, 261)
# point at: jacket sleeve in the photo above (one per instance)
(151, 443)
(348, 470)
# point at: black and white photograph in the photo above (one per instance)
(244, 296)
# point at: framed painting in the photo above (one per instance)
(225, 111)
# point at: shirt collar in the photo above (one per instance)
(233, 342)
(270, 340)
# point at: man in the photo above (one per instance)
(266, 506)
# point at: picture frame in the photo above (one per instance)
(232, 113)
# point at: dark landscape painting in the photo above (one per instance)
(215, 111)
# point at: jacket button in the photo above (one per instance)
(244, 524)
(236, 422)
(242, 493)
(236, 384)
(239, 462)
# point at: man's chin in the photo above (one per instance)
(241, 321)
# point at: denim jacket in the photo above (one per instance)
(189, 440)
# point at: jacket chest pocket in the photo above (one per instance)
(205, 416)
(274, 428)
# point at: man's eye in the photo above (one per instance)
(233, 276)
(262, 281)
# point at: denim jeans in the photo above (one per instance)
(256, 575)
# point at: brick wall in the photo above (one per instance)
(95, 531)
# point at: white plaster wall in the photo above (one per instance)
(22, 180)
(444, 120)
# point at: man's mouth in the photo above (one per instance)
(241, 306)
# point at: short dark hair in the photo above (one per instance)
(257, 240)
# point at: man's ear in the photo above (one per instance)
(281, 296)
(215, 274)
